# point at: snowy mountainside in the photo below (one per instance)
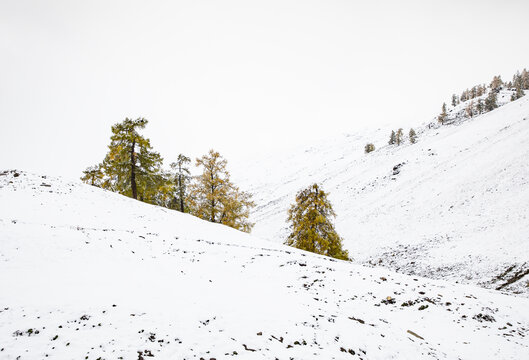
(451, 206)
(90, 274)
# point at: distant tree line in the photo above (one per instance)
(481, 98)
(132, 168)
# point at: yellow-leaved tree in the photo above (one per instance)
(213, 197)
(311, 226)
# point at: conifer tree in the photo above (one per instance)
(518, 93)
(213, 197)
(182, 177)
(311, 226)
(399, 136)
(392, 138)
(156, 189)
(480, 90)
(480, 106)
(369, 148)
(442, 117)
(469, 110)
(413, 136)
(454, 100)
(131, 166)
(525, 79)
(516, 80)
(496, 83)
(473, 92)
(491, 101)
(93, 175)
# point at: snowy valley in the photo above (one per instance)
(452, 206)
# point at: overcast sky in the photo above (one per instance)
(242, 77)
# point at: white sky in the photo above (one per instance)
(243, 77)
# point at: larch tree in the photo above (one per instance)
(181, 180)
(399, 137)
(491, 101)
(480, 106)
(525, 79)
(392, 138)
(311, 226)
(442, 117)
(518, 93)
(469, 110)
(93, 175)
(413, 136)
(454, 100)
(496, 83)
(213, 197)
(131, 165)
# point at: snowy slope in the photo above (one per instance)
(455, 207)
(88, 274)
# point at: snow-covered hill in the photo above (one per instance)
(452, 206)
(89, 274)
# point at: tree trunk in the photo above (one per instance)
(133, 171)
(181, 189)
(212, 198)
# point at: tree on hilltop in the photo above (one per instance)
(130, 167)
(215, 198)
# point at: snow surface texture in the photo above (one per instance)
(89, 274)
(452, 206)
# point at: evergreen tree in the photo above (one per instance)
(454, 100)
(491, 101)
(311, 226)
(464, 96)
(516, 80)
(156, 189)
(469, 110)
(181, 177)
(369, 148)
(442, 117)
(214, 198)
(480, 106)
(496, 83)
(525, 79)
(399, 136)
(480, 90)
(518, 93)
(392, 138)
(473, 92)
(93, 175)
(413, 136)
(131, 166)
